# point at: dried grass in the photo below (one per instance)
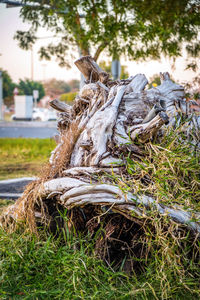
(24, 209)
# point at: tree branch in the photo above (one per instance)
(99, 50)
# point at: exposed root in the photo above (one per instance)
(122, 243)
(125, 211)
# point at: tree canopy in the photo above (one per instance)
(139, 29)
(27, 86)
(8, 84)
(8, 87)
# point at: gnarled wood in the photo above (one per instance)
(146, 131)
(90, 70)
(108, 115)
(60, 106)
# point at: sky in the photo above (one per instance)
(18, 62)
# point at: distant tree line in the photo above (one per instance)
(52, 87)
(55, 88)
(27, 86)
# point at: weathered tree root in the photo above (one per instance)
(108, 120)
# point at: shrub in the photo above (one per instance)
(68, 97)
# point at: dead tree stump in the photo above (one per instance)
(108, 120)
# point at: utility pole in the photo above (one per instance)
(116, 69)
(32, 64)
(1, 96)
(44, 73)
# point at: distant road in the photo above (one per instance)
(13, 188)
(28, 129)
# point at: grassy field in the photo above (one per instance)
(42, 267)
(67, 268)
(23, 157)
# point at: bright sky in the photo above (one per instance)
(18, 62)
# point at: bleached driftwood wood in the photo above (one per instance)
(78, 171)
(98, 132)
(137, 84)
(104, 194)
(146, 131)
(110, 161)
(172, 93)
(88, 91)
(60, 185)
(90, 70)
(109, 114)
(128, 105)
(60, 106)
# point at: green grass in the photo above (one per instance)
(45, 268)
(170, 172)
(23, 157)
(42, 267)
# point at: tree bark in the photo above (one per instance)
(90, 70)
